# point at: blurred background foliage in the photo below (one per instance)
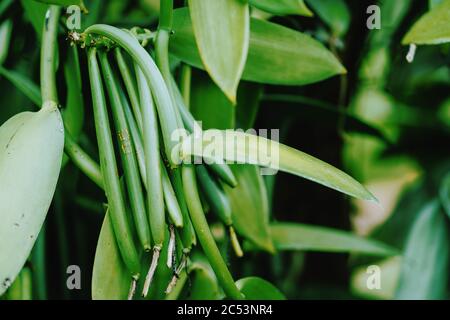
(386, 122)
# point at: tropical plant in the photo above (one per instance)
(123, 166)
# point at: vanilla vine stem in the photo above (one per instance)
(48, 56)
(189, 179)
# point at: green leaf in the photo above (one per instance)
(31, 149)
(277, 55)
(222, 29)
(444, 194)
(5, 36)
(335, 13)
(110, 276)
(434, 3)
(241, 147)
(248, 101)
(425, 264)
(209, 104)
(23, 84)
(432, 28)
(291, 236)
(66, 3)
(35, 12)
(312, 109)
(283, 7)
(250, 206)
(255, 288)
(74, 112)
(204, 284)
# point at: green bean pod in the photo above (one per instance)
(155, 193)
(163, 101)
(222, 171)
(216, 197)
(129, 85)
(204, 234)
(188, 236)
(110, 174)
(136, 136)
(173, 208)
(127, 154)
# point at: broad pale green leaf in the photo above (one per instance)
(335, 13)
(209, 104)
(283, 7)
(277, 55)
(292, 236)
(240, 147)
(432, 28)
(31, 149)
(444, 193)
(110, 277)
(425, 264)
(255, 288)
(250, 207)
(222, 29)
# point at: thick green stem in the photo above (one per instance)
(166, 15)
(48, 56)
(204, 234)
(82, 160)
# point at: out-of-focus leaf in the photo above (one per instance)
(434, 3)
(4, 6)
(31, 149)
(21, 289)
(329, 114)
(110, 277)
(252, 149)
(283, 7)
(204, 285)
(255, 288)
(444, 194)
(250, 207)
(432, 28)
(25, 85)
(424, 272)
(249, 97)
(291, 236)
(35, 12)
(335, 13)
(65, 3)
(222, 29)
(74, 112)
(5, 35)
(209, 104)
(277, 55)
